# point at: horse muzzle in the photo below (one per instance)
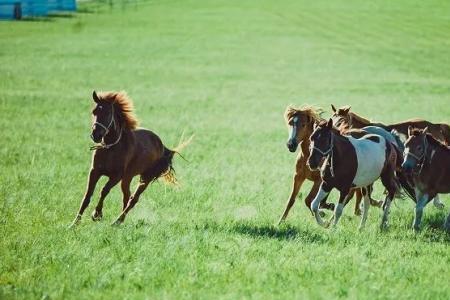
(292, 145)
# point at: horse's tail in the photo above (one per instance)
(405, 184)
(169, 174)
(396, 135)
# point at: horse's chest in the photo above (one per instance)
(370, 158)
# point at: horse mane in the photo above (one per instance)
(430, 138)
(313, 112)
(123, 105)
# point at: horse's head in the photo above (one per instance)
(341, 116)
(300, 124)
(415, 149)
(103, 118)
(321, 144)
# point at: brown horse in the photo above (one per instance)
(300, 122)
(428, 161)
(343, 115)
(123, 151)
(344, 119)
(351, 163)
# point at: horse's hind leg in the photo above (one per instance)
(133, 200)
(97, 214)
(373, 202)
(126, 193)
(365, 192)
(358, 201)
(389, 182)
(297, 183)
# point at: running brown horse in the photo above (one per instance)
(428, 162)
(300, 122)
(122, 152)
(351, 163)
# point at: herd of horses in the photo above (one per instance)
(349, 153)
(346, 152)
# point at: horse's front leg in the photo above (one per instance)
(421, 202)
(324, 190)
(97, 214)
(94, 176)
(298, 180)
(343, 199)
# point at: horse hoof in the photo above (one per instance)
(75, 222)
(117, 222)
(358, 212)
(96, 216)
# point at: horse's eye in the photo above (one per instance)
(419, 148)
(100, 107)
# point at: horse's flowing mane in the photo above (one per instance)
(308, 110)
(123, 105)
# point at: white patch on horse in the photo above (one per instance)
(371, 157)
(293, 128)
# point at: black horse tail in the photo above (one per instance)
(167, 160)
(402, 178)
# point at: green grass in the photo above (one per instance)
(224, 71)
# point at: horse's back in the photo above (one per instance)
(386, 134)
(371, 155)
(148, 144)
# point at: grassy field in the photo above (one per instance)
(224, 71)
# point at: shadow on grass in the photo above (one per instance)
(267, 231)
(62, 15)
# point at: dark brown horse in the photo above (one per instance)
(300, 122)
(343, 115)
(352, 163)
(428, 162)
(123, 151)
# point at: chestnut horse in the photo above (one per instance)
(300, 122)
(351, 163)
(428, 162)
(343, 118)
(123, 151)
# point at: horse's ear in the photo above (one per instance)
(346, 109)
(333, 108)
(410, 130)
(95, 97)
(330, 124)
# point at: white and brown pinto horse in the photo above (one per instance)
(428, 162)
(352, 163)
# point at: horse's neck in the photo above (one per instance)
(357, 123)
(339, 143)
(305, 147)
